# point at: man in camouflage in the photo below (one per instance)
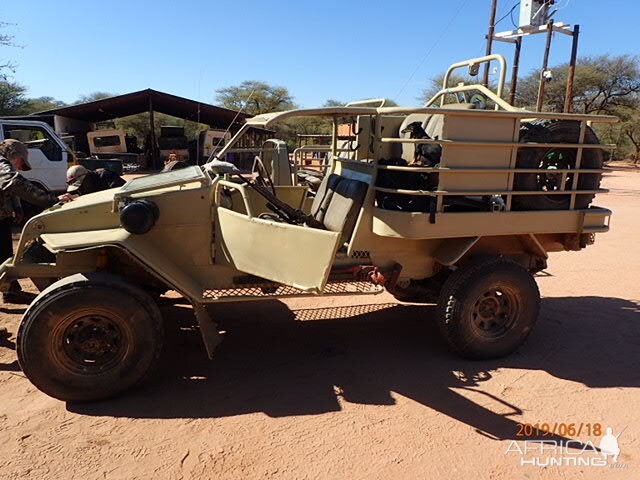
(14, 188)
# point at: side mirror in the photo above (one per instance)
(474, 69)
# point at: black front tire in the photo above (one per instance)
(487, 309)
(89, 337)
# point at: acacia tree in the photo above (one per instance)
(6, 66)
(254, 97)
(12, 98)
(92, 97)
(435, 85)
(631, 131)
(603, 84)
(42, 104)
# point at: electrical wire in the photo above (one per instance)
(433, 46)
(513, 22)
(509, 13)
(563, 6)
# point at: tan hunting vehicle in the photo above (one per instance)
(465, 220)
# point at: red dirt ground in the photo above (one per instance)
(357, 388)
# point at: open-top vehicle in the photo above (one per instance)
(465, 222)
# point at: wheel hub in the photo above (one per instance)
(92, 340)
(494, 313)
(555, 160)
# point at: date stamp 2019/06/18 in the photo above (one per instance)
(549, 429)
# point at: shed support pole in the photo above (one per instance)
(152, 132)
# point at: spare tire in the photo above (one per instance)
(550, 159)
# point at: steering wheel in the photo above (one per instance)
(263, 178)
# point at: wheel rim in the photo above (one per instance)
(90, 343)
(548, 181)
(495, 312)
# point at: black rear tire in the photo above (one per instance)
(89, 337)
(555, 131)
(487, 309)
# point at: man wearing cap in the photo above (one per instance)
(14, 188)
(81, 181)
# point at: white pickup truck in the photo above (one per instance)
(48, 154)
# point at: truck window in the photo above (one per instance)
(108, 141)
(217, 142)
(35, 137)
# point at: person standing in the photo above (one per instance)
(14, 188)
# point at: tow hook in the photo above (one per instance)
(387, 277)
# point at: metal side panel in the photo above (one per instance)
(67, 240)
(175, 275)
(389, 223)
(297, 256)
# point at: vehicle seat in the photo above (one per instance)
(338, 203)
(433, 124)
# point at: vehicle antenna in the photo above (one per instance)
(213, 153)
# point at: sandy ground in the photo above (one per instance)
(358, 388)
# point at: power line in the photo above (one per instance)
(442, 34)
(508, 14)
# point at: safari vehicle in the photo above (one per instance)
(48, 154)
(112, 143)
(172, 141)
(210, 142)
(512, 186)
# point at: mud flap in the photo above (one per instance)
(208, 328)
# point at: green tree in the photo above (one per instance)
(603, 84)
(435, 85)
(631, 131)
(42, 104)
(92, 97)
(6, 66)
(254, 97)
(12, 98)
(138, 125)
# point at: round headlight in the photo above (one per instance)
(139, 217)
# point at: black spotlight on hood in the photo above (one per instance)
(138, 217)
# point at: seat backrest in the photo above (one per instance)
(338, 203)
(323, 196)
(433, 124)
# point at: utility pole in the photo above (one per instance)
(492, 28)
(545, 66)
(534, 19)
(514, 74)
(572, 70)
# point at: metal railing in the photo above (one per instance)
(511, 171)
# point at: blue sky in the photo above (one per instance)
(344, 50)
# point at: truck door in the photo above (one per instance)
(293, 255)
(47, 157)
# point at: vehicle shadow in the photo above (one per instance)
(286, 363)
(14, 366)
